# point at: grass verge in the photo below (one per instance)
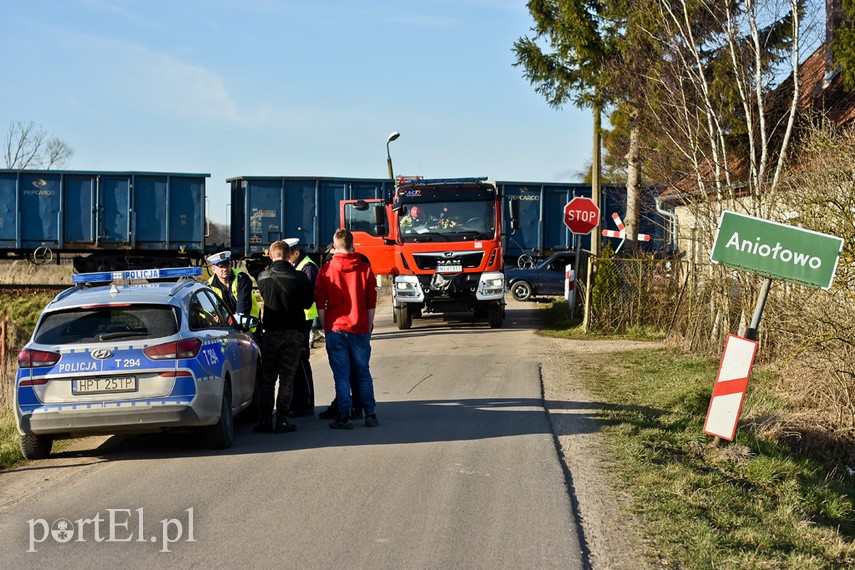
(557, 322)
(21, 312)
(10, 451)
(751, 503)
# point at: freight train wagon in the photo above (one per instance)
(104, 220)
(542, 230)
(267, 208)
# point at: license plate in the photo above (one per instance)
(104, 385)
(449, 268)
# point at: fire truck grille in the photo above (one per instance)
(467, 259)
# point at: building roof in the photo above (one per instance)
(819, 94)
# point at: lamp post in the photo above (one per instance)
(392, 136)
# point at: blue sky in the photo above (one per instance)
(286, 88)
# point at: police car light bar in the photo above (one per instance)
(166, 273)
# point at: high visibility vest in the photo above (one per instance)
(255, 310)
(311, 312)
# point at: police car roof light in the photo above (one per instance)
(108, 276)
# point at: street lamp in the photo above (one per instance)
(392, 136)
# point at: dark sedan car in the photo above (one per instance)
(545, 278)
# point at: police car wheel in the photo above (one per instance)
(35, 447)
(221, 434)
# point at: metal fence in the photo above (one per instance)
(633, 293)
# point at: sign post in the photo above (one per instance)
(775, 251)
(581, 216)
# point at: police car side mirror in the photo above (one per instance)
(248, 322)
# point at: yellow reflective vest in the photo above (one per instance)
(255, 310)
(311, 312)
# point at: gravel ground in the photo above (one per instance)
(610, 530)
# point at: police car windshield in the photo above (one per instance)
(78, 326)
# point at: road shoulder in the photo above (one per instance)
(611, 532)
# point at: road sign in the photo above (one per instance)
(581, 215)
(730, 386)
(776, 250)
(621, 233)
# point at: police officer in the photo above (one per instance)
(232, 286)
(303, 401)
(287, 294)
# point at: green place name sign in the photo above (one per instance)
(776, 250)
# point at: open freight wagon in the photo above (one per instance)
(542, 231)
(104, 220)
(267, 208)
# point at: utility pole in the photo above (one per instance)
(595, 196)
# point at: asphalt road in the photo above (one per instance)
(463, 472)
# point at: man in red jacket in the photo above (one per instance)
(346, 297)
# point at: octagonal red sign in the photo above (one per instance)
(581, 215)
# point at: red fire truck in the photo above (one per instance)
(440, 240)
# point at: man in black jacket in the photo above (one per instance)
(303, 402)
(287, 293)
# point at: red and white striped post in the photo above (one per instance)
(570, 287)
(730, 386)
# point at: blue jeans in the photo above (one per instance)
(348, 354)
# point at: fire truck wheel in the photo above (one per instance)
(405, 319)
(494, 315)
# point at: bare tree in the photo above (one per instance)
(721, 81)
(29, 146)
(56, 153)
(725, 121)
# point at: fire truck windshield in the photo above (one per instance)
(447, 221)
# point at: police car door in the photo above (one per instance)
(220, 354)
(244, 350)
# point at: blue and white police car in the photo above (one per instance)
(116, 355)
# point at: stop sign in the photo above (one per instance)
(581, 215)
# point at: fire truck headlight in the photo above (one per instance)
(491, 286)
(407, 288)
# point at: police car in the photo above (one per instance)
(116, 355)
